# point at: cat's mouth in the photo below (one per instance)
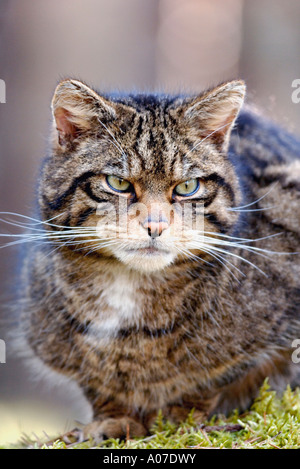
(148, 250)
(146, 258)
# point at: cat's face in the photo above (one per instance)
(144, 180)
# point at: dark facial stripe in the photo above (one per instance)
(84, 215)
(136, 142)
(220, 181)
(206, 200)
(151, 142)
(174, 161)
(62, 199)
(209, 200)
(165, 116)
(128, 124)
(114, 164)
(87, 188)
(139, 130)
(222, 226)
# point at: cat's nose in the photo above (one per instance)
(155, 228)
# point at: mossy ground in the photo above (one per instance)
(272, 422)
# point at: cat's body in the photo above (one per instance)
(143, 328)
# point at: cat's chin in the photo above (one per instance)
(146, 262)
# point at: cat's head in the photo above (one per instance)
(141, 179)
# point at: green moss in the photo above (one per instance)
(272, 422)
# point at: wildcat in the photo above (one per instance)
(145, 309)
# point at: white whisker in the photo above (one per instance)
(256, 201)
(213, 247)
(238, 241)
(84, 237)
(205, 138)
(235, 209)
(114, 142)
(35, 220)
(222, 260)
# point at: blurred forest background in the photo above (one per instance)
(127, 45)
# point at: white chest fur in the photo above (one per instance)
(119, 305)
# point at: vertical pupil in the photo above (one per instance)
(188, 185)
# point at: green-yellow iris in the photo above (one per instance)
(118, 184)
(187, 187)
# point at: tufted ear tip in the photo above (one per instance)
(70, 87)
(236, 85)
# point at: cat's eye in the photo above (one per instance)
(187, 188)
(118, 184)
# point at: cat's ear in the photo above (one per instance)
(212, 115)
(76, 110)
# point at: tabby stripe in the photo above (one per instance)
(63, 224)
(172, 121)
(87, 188)
(153, 333)
(278, 225)
(259, 162)
(81, 328)
(151, 142)
(59, 202)
(222, 226)
(173, 162)
(216, 178)
(154, 116)
(128, 124)
(136, 143)
(84, 215)
(268, 179)
(139, 129)
(164, 114)
(112, 164)
(206, 200)
(187, 143)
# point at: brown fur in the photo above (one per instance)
(180, 329)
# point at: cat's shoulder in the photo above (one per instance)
(258, 136)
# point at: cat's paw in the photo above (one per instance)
(122, 428)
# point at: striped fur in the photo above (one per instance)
(188, 324)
